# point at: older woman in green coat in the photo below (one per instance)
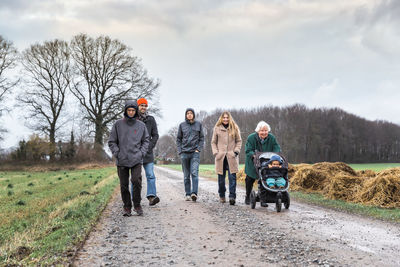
(261, 140)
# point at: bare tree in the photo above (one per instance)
(107, 75)
(8, 60)
(47, 69)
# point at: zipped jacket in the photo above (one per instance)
(129, 139)
(190, 136)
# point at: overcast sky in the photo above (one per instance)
(236, 54)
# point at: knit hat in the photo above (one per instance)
(275, 158)
(141, 101)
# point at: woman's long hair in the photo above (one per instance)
(233, 129)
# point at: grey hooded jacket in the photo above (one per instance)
(129, 139)
(190, 135)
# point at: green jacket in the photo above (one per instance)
(253, 143)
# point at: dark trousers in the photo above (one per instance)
(136, 179)
(232, 181)
(249, 186)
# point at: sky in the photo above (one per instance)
(211, 54)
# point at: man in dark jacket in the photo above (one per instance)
(128, 143)
(190, 142)
(148, 159)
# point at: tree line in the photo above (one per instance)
(307, 135)
(97, 75)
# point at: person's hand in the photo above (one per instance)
(197, 151)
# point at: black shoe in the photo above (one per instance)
(127, 212)
(194, 197)
(139, 210)
(264, 204)
(247, 200)
(231, 201)
(154, 200)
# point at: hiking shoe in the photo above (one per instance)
(188, 198)
(127, 212)
(154, 200)
(222, 200)
(139, 210)
(247, 200)
(194, 197)
(264, 204)
(231, 201)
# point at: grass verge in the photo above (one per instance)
(46, 215)
(392, 215)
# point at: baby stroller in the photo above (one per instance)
(272, 195)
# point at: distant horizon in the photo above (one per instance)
(212, 111)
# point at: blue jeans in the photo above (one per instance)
(151, 179)
(232, 181)
(190, 167)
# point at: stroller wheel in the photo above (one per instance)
(287, 203)
(253, 199)
(278, 204)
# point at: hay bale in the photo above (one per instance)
(382, 190)
(309, 179)
(343, 186)
(366, 173)
(241, 175)
(292, 169)
(332, 168)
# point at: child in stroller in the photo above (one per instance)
(274, 173)
(273, 180)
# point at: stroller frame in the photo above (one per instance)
(277, 196)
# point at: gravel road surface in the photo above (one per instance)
(176, 232)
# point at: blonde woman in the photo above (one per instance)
(226, 143)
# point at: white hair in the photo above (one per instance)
(261, 125)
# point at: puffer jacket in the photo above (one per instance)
(190, 135)
(129, 139)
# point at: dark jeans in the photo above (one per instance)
(136, 179)
(232, 181)
(249, 186)
(190, 167)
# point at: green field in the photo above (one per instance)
(374, 166)
(44, 215)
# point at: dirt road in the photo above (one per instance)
(181, 233)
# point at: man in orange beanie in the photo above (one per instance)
(148, 159)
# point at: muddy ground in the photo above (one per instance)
(180, 233)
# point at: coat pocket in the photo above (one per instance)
(219, 155)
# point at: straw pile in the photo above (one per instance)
(337, 180)
(344, 187)
(382, 190)
(308, 179)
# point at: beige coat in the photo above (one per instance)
(223, 144)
